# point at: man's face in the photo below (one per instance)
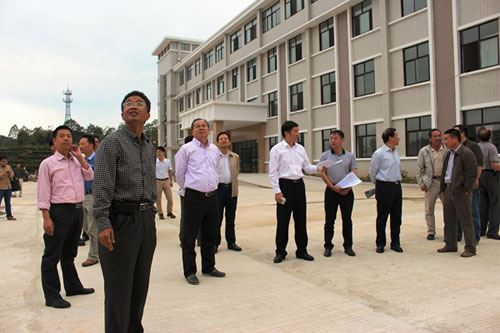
(223, 141)
(200, 130)
(63, 140)
(135, 114)
(3, 162)
(18, 166)
(336, 141)
(394, 139)
(435, 138)
(86, 147)
(96, 143)
(160, 154)
(450, 142)
(293, 135)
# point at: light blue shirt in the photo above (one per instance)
(385, 165)
(449, 168)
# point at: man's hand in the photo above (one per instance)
(476, 184)
(107, 238)
(171, 184)
(423, 188)
(278, 197)
(48, 226)
(75, 151)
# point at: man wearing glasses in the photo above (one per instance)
(124, 192)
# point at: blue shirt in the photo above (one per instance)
(449, 169)
(385, 165)
(88, 183)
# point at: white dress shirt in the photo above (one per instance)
(224, 169)
(162, 168)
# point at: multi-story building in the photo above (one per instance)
(358, 66)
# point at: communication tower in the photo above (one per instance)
(67, 99)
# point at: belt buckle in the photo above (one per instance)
(143, 206)
(209, 194)
(78, 205)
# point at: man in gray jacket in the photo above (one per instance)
(429, 166)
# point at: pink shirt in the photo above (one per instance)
(60, 180)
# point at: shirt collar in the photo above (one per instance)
(456, 150)
(198, 143)
(60, 156)
(333, 151)
(387, 148)
(91, 156)
(228, 154)
(132, 136)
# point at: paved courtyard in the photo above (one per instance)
(415, 291)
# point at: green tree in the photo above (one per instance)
(95, 130)
(24, 136)
(151, 131)
(14, 131)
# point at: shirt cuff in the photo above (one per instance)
(103, 223)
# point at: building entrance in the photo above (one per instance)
(249, 155)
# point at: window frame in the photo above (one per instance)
(197, 67)
(415, 63)
(272, 54)
(208, 91)
(235, 77)
(422, 135)
(477, 64)
(272, 104)
(208, 59)
(251, 30)
(292, 7)
(297, 90)
(219, 52)
(413, 9)
(365, 74)
(235, 40)
(362, 147)
(181, 78)
(326, 26)
(220, 85)
(332, 85)
(181, 104)
(271, 16)
(472, 128)
(252, 70)
(356, 18)
(325, 139)
(295, 49)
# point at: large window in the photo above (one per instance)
(185, 47)
(189, 72)
(489, 117)
(251, 70)
(366, 141)
(328, 92)
(250, 31)
(479, 46)
(181, 104)
(209, 91)
(189, 101)
(325, 139)
(235, 76)
(209, 59)
(272, 104)
(296, 97)
(197, 67)
(181, 131)
(272, 141)
(181, 78)
(220, 85)
(219, 52)
(271, 17)
(235, 41)
(301, 140)
(364, 78)
(416, 60)
(198, 96)
(272, 60)
(417, 134)
(362, 18)
(326, 36)
(294, 49)
(292, 7)
(411, 6)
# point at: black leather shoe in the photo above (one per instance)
(349, 252)
(305, 256)
(430, 237)
(398, 249)
(380, 249)
(81, 242)
(279, 258)
(497, 237)
(215, 273)
(192, 279)
(234, 247)
(328, 252)
(446, 249)
(58, 303)
(83, 291)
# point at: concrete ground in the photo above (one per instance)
(415, 291)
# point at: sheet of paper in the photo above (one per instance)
(349, 180)
(326, 163)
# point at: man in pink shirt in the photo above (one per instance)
(60, 196)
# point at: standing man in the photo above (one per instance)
(286, 161)
(6, 175)
(96, 140)
(489, 186)
(478, 154)
(164, 183)
(60, 196)
(20, 174)
(197, 172)
(429, 167)
(124, 192)
(227, 191)
(344, 163)
(87, 147)
(457, 181)
(385, 173)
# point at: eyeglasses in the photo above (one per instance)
(138, 104)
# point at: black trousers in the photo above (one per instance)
(62, 246)
(489, 202)
(228, 203)
(389, 201)
(127, 268)
(200, 212)
(332, 201)
(295, 194)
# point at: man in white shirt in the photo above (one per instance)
(164, 183)
(286, 161)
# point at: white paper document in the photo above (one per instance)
(349, 180)
(327, 163)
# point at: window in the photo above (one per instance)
(411, 6)
(194, 46)
(189, 72)
(209, 59)
(296, 97)
(272, 105)
(417, 134)
(181, 131)
(362, 18)
(271, 17)
(181, 78)
(251, 70)
(295, 49)
(272, 60)
(236, 41)
(366, 141)
(181, 104)
(416, 60)
(301, 140)
(292, 7)
(251, 31)
(209, 91)
(325, 139)
(219, 52)
(197, 67)
(489, 117)
(185, 47)
(189, 101)
(479, 46)
(272, 141)
(220, 85)
(326, 36)
(328, 92)
(198, 96)
(235, 75)
(364, 78)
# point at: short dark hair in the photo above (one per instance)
(388, 133)
(58, 128)
(432, 130)
(188, 139)
(484, 133)
(454, 133)
(338, 132)
(141, 95)
(192, 124)
(222, 133)
(461, 129)
(90, 139)
(288, 126)
(97, 137)
(160, 148)
(3, 157)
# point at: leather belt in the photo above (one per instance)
(205, 194)
(386, 182)
(162, 179)
(72, 205)
(291, 180)
(436, 177)
(134, 205)
(224, 185)
(88, 192)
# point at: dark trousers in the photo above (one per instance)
(126, 269)
(389, 201)
(6, 195)
(295, 194)
(61, 246)
(200, 212)
(332, 201)
(458, 205)
(227, 202)
(476, 218)
(489, 203)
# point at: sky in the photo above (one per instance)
(101, 50)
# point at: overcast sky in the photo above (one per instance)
(100, 49)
